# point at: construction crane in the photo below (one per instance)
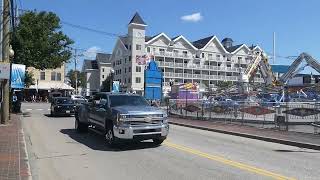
(261, 62)
(293, 69)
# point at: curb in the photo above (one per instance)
(29, 175)
(267, 139)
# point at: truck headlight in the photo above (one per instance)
(120, 118)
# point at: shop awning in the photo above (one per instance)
(51, 85)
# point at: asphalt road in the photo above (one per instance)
(57, 152)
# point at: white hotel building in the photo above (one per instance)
(206, 61)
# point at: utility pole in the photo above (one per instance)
(6, 59)
(75, 69)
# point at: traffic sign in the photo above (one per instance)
(4, 70)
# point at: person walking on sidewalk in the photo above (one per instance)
(14, 102)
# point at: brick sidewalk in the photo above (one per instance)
(13, 157)
(271, 135)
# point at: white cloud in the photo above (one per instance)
(91, 52)
(195, 17)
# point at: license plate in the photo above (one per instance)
(67, 111)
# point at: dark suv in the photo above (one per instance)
(62, 106)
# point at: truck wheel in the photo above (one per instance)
(111, 140)
(158, 141)
(80, 127)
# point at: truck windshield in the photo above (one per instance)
(119, 100)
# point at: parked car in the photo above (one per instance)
(53, 95)
(79, 101)
(227, 102)
(77, 97)
(62, 106)
(122, 117)
(269, 102)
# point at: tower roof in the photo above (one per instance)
(136, 19)
(227, 39)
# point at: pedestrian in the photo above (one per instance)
(14, 102)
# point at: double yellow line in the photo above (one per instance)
(228, 162)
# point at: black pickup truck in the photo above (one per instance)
(122, 117)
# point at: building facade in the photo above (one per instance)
(205, 61)
(46, 81)
(96, 72)
(48, 78)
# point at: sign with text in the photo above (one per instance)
(18, 72)
(4, 70)
(144, 59)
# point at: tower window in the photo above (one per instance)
(138, 47)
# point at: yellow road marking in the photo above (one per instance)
(228, 162)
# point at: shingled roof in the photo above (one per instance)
(233, 48)
(137, 19)
(202, 42)
(90, 64)
(175, 37)
(103, 58)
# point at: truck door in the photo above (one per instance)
(92, 109)
(102, 111)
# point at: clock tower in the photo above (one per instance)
(136, 45)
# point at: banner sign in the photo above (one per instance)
(4, 70)
(144, 59)
(116, 86)
(18, 72)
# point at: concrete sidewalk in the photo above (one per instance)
(303, 140)
(13, 155)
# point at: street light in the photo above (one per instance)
(11, 52)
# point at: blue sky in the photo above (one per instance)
(296, 23)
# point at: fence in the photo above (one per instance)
(281, 115)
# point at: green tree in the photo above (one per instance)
(39, 42)
(105, 87)
(29, 80)
(81, 76)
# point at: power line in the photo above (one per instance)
(110, 34)
(84, 50)
(91, 29)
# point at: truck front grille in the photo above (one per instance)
(144, 123)
(140, 131)
(145, 116)
(144, 120)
